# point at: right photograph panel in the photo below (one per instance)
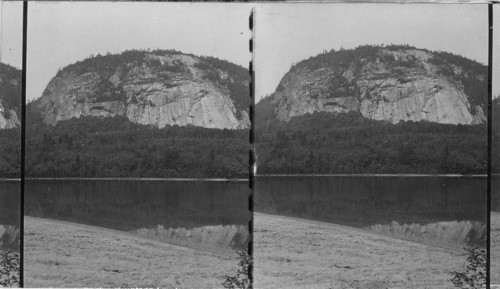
(371, 145)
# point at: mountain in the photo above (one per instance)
(10, 111)
(10, 96)
(159, 88)
(390, 83)
(157, 113)
(376, 110)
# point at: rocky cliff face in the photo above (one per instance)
(157, 88)
(10, 96)
(393, 83)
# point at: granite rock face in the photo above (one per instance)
(8, 118)
(152, 88)
(10, 96)
(393, 84)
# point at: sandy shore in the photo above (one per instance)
(296, 253)
(495, 249)
(62, 254)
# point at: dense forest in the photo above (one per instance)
(10, 88)
(116, 147)
(495, 136)
(10, 139)
(346, 143)
(10, 153)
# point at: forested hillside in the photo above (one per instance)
(116, 147)
(10, 131)
(387, 109)
(347, 143)
(10, 88)
(495, 136)
(10, 153)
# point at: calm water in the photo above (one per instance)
(10, 198)
(495, 193)
(130, 205)
(363, 201)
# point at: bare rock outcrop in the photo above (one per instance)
(10, 96)
(394, 83)
(157, 88)
(8, 118)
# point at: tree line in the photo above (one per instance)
(314, 143)
(347, 143)
(116, 147)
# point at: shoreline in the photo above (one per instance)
(134, 234)
(453, 248)
(64, 254)
(245, 179)
(139, 179)
(291, 252)
(377, 175)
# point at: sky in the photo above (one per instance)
(11, 36)
(61, 33)
(289, 33)
(496, 51)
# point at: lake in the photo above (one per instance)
(10, 198)
(172, 211)
(495, 193)
(452, 209)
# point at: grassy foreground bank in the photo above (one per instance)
(62, 254)
(495, 249)
(297, 253)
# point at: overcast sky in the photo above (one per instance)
(496, 51)
(63, 33)
(11, 40)
(288, 33)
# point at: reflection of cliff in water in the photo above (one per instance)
(223, 236)
(442, 233)
(10, 198)
(141, 205)
(380, 202)
(495, 193)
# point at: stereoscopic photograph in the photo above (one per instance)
(11, 41)
(137, 140)
(371, 145)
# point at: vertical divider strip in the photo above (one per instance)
(490, 101)
(23, 144)
(251, 141)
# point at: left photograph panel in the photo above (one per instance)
(11, 41)
(137, 140)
